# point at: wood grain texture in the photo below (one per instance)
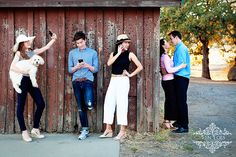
(101, 25)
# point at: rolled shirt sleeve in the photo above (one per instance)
(70, 63)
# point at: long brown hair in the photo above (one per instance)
(22, 50)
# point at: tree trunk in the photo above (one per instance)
(205, 60)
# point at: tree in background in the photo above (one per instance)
(204, 21)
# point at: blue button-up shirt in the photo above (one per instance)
(89, 56)
(181, 55)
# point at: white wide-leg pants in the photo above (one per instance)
(117, 98)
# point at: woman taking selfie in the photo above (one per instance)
(22, 50)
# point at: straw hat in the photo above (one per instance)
(21, 38)
(121, 38)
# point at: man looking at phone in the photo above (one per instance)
(82, 63)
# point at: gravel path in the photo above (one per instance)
(208, 102)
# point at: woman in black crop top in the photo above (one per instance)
(118, 90)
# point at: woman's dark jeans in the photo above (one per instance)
(26, 87)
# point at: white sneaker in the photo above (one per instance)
(25, 136)
(90, 108)
(36, 133)
(83, 135)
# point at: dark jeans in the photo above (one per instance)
(170, 106)
(181, 87)
(84, 97)
(26, 86)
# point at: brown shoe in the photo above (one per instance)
(166, 124)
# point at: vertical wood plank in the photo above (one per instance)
(140, 77)
(156, 63)
(10, 92)
(119, 21)
(60, 51)
(3, 70)
(52, 74)
(100, 77)
(148, 24)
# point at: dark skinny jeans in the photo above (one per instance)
(26, 87)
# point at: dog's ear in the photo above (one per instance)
(41, 60)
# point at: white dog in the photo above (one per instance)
(30, 65)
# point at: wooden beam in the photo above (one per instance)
(88, 3)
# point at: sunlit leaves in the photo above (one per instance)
(202, 19)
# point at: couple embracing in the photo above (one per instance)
(175, 81)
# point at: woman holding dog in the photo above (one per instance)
(22, 50)
(118, 90)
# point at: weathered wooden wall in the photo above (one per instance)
(102, 25)
(88, 3)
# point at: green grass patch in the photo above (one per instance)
(162, 136)
(134, 149)
(195, 137)
(187, 147)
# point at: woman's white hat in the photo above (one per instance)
(122, 37)
(21, 38)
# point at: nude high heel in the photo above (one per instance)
(106, 134)
(120, 136)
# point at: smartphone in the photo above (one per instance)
(50, 33)
(80, 60)
(122, 48)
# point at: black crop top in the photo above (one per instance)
(121, 63)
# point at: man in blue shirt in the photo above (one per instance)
(181, 55)
(82, 63)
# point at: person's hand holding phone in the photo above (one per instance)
(80, 60)
(121, 49)
(80, 64)
(53, 35)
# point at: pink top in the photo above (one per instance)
(168, 63)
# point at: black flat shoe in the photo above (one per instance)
(180, 130)
(175, 124)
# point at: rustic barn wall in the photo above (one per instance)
(101, 25)
(88, 3)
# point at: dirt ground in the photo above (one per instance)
(208, 102)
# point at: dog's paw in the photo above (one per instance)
(18, 90)
(35, 84)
